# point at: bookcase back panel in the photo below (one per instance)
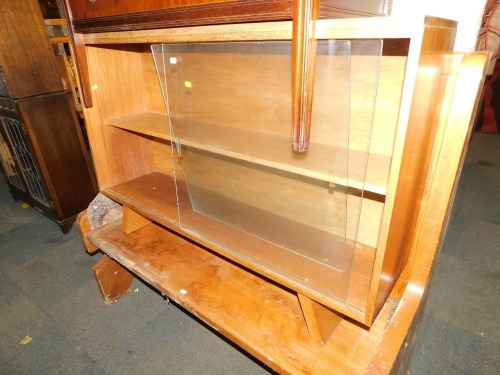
(229, 112)
(118, 88)
(154, 99)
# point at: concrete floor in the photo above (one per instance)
(47, 292)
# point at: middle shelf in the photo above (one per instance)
(267, 150)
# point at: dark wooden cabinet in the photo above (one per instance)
(43, 156)
(26, 56)
(42, 151)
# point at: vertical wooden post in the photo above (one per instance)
(77, 47)
(132, 220)
(305, 12)
(114, 280)
(320, 320)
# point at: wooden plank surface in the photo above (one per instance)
(259, 316)
(152, 195)
(144, 195)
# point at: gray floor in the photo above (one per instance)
(47, 292)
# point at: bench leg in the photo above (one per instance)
(113, 279)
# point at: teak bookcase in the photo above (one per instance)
(224, 217)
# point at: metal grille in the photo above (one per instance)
(9, 165)
(23, 156)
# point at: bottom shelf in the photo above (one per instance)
(154, 196)
(256, 314)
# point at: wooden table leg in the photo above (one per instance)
(113, 279)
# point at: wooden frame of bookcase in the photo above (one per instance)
(423, 134)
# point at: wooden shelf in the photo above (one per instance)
(266, 150)
(154, 196)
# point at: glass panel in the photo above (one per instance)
(9, 165)
(239, 183)
(363, 195)
(25, 160)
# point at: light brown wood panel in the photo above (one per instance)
(368, 116)
(151, 195)
(154, 97)
(217, 33)
(236, 88)
(132, 221)
(116, 79)
(386, 114)
(430, 84)
(352, 28)
(367, 216)
(129, 155)
(162, 152)
(455, 126)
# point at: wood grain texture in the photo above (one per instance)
(117, 93)
(28, 62)
(259, 316)
(132, 221)
(151, 195)
(268, 320)
(266, 311)
(352, 28)
(113, 280)
(456, 121)
(147, 196)
(305, 13)
(320, 320)
(411, 158)
(264, 149)
(83, 226)
(392, 68)
(105, 16)
(210, 13)
(78, 51)
(58, 145)
(437, 38)
(50, 155)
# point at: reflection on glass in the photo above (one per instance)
(239, 183)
